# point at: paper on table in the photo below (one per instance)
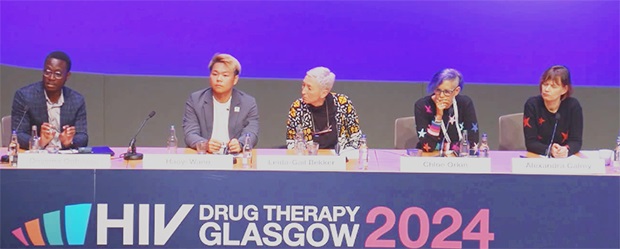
(71, 151)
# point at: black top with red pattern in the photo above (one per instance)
(538, 125)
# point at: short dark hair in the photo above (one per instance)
(558, 74)
(61, 56)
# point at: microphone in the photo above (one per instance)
(131, 153)
(5, 158)
(22, 119)
(442, 153)
(557, 118)
(337, 149)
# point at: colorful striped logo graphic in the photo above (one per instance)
(76, 223)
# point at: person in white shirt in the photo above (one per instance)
(57, 111)
(221, 114)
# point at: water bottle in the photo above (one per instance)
(247, 151)
(172, 141)
(483, 148)
(363, 150)
(13, 150)
(616, 162)
(34, 141)
(300, 142)
(464, 150)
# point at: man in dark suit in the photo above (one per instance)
(58, 111)
(221, 114)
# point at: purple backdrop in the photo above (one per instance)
(489, 41)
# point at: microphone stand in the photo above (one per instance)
(131, 153)
(442, 153)
(5, 158)
(555, 126)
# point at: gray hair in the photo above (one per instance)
(323, 75)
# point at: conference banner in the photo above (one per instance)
(273, 209)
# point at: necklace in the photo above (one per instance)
(327, 129)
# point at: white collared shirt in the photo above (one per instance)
(53, 113)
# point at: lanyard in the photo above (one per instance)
(458, 127)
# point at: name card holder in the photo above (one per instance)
(301, 163)
(557, 166)
(63, 161)
(187, 162)
(445, 164)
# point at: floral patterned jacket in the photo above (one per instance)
(349, 131)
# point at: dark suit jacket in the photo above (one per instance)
(29, 102)
(198, 117)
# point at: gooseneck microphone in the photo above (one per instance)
(555, 126)
(442, 152)
(5, 158)
(22, 119)
(131, 153)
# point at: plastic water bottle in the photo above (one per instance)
(13, 150)
(483, 148)
(300, 141)
(247, 151)
(616, 162)
(464, 150)
(172, 141)
(34, 141)
(363, 150)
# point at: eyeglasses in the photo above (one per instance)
(50, 73)
(445, 92)
(327, 129)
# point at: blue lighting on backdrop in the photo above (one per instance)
(495, 42)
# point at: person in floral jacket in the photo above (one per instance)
(322, 116)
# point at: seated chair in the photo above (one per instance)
(405, 135)
(511, 135)
(5, 135)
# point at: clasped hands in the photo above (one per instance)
(49, 131)
(233, 146)
(559, 151)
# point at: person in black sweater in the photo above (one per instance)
(554, 104)
(445, 114)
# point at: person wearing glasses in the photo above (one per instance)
(554, 106)
(445, 115)
(58, 111)
(221, 115)
(324, 117)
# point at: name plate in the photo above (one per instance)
(555, 166)
(301, 163)
(445, 164)
(63, 161)
(187, 161)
